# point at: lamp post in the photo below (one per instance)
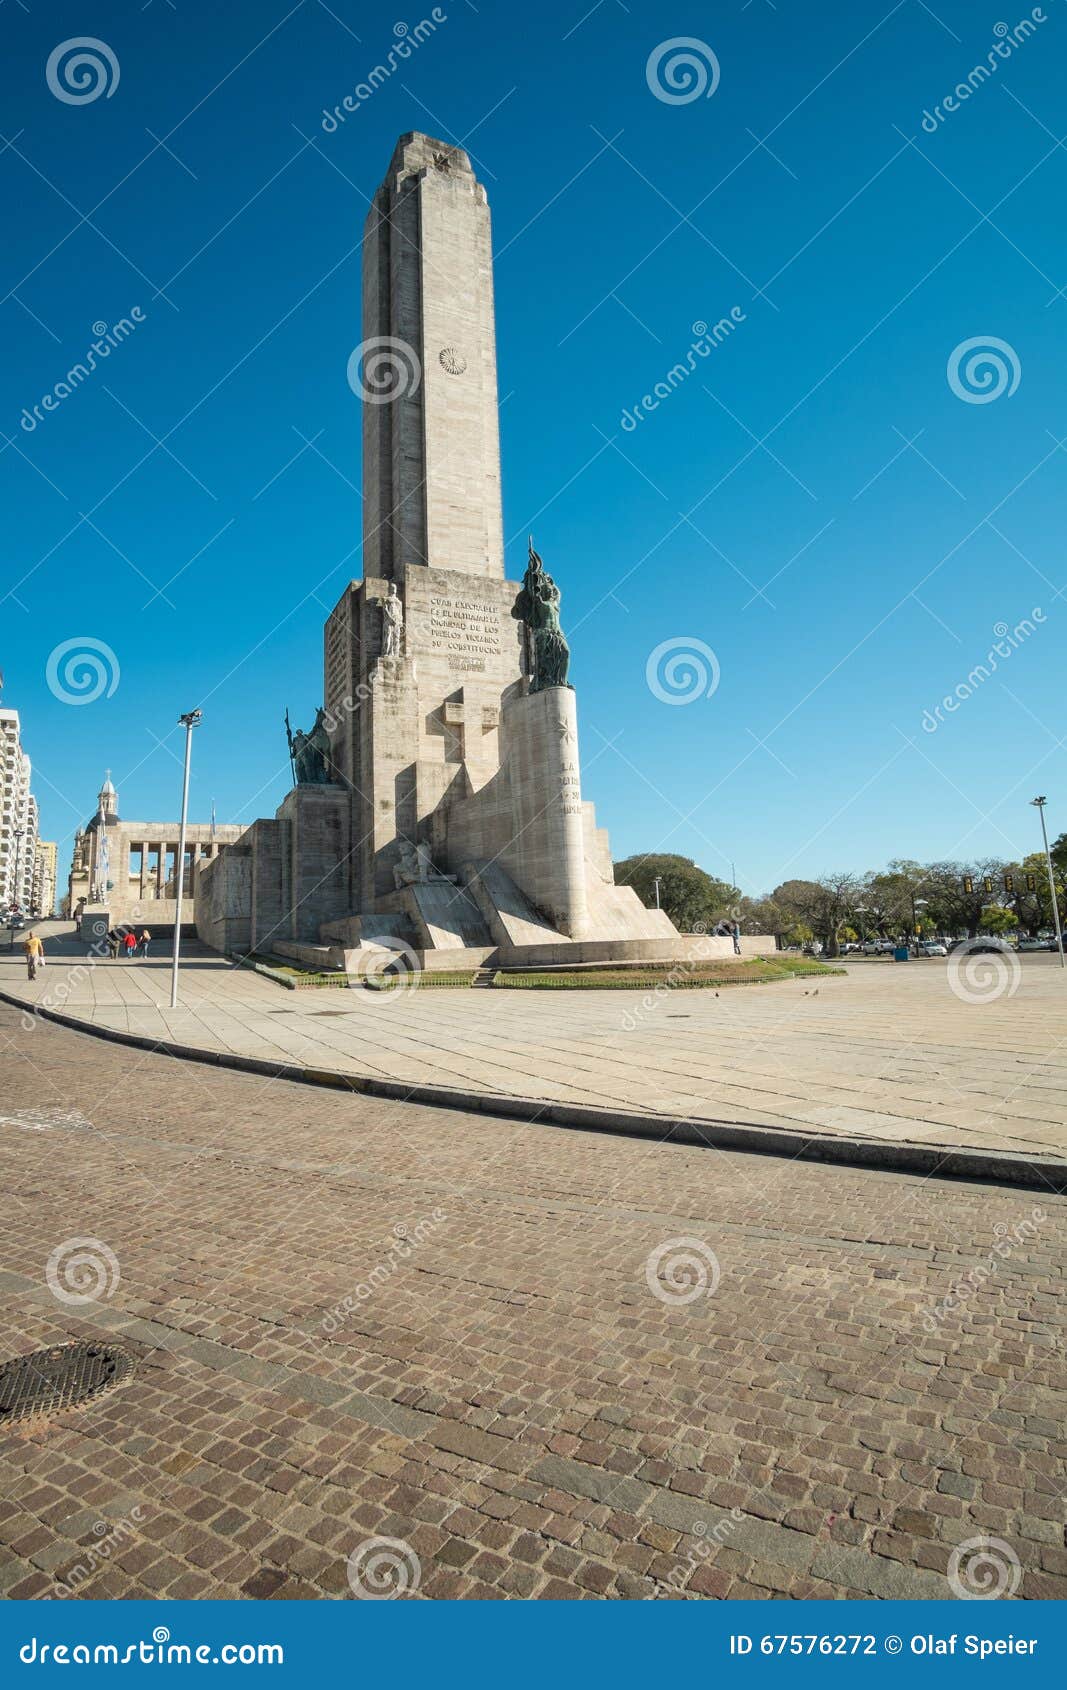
(188, 722)
(655, 888)
(1039, 805)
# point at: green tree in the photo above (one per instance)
(997, 919)
(690, 896)
(823, 905)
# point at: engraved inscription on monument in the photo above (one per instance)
(468, 632)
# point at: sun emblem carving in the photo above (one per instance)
(452, 360)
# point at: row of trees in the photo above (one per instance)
(906, 899)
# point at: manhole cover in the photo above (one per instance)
(50, 1380)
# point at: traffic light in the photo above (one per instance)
(1031, 883)
(968, 883)
(987, 883)
(1009, 883)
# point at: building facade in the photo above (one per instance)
(44, 877)
(130, 868)
(18, 817)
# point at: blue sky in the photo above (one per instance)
(770, 508)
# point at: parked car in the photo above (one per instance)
(1028, 944)
(931, 947)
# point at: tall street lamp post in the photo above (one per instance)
(916, 905)
(188, 722)
(1039, 805)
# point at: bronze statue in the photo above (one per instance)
(537, 606)
(309, 754)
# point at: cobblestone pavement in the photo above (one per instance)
(548, 1363)
(888, 1051)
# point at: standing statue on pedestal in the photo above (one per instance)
(309, 754)
(537, 606)
(392, 622)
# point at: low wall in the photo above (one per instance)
(689, 948)
(223, 900)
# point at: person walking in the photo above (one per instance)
(130, 943)
(113, 941)
(34, 954)
(735, 934)
(146, 940)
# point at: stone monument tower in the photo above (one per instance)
(443, 809)
(431, 439)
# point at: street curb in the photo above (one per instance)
(1000, 1167)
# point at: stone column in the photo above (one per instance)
(546, 853)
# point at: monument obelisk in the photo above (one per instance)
(431, 453)
(442, 810)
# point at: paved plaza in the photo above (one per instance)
(544, 1364)
(887, 1051)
